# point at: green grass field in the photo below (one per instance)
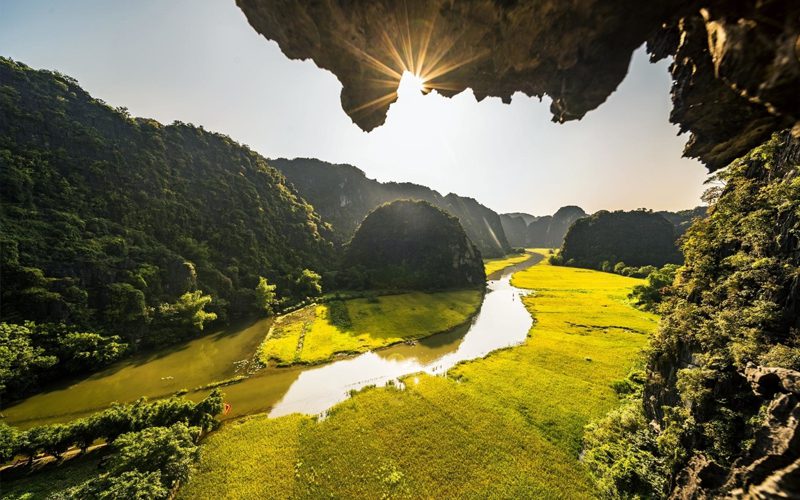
(494, 265)
(508, 425)
(319, 332)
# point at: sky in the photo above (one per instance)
(199, 61)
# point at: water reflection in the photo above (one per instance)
(501, 322)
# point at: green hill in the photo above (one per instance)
(413, 245)
(108, 220)
(637, 238)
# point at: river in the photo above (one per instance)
(501, 322)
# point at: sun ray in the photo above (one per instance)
(375, 63)
(394, 53)
(406, 41)
(426, 40)
(423, 54)
(383, 82)
(443, 70)
(375, 103)
(429, 85)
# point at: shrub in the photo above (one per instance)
(621, 453)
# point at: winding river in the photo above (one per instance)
(501, 322)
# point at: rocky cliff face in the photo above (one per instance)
(736, 70)
(771, 467)
(735, 307)
(524, 230)
(343, 195)
(514, 226)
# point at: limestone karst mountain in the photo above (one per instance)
(413, 245)
(344, 195)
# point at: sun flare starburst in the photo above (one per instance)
(411, 58)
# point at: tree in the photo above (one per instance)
(84, 432)
(189, 310)
(20, 360)
(649, 295)
(308, 284)
(9, 438)
(170, 450)
(82, 351)
(133, 485)
(56, 439)
(127, 305)
(266, 298)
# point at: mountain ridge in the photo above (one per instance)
(356, 195)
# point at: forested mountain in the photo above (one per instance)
(637, 238)
(343, 195)
(549, 231)
(412, 245)
(682, 219)
(123, 225)
(525, 230)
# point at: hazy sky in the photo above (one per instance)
(201, 62)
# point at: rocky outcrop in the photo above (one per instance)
(549, 231)
(683, 219)
(770, 468)
(736, 70)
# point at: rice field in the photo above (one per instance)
(508, 425)
(319, 332)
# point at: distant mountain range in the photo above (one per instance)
(526, 230)
(343, 196)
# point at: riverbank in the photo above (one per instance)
(492, 266)
(319, 333)
(508, 425)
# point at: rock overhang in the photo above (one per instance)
(735, 71)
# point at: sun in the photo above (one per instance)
(411, 84)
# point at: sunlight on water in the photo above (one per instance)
(502, 322)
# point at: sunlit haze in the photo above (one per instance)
(201, 62)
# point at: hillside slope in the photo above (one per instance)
(343, 195)
(414, 245)
(106, 218)
(637, 238)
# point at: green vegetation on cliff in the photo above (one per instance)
(412, 245)
(734, 303)
(114, 225)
